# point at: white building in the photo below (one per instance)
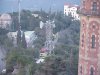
(71, 10)
(40, 61)
(13, 37)
(35, 15)
(29, 36)
(5, 21)
(41, 24)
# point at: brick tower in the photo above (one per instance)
(89, 54)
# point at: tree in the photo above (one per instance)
(54, 65)
(3, 31)
(64, 51)
(19, 37)
(19, 57)
(24, 44)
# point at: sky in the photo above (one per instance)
(12, 5)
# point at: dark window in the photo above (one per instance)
(81, 69)
(65, 13)
(83, 3)
(94, 6)
(93, 41)
(82, 40)
(93, 27)
(83, 25)
(91, 71)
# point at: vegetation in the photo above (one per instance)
(24, 44)
(21, 58)
(64, 59)
(19, 37)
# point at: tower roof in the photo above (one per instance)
(90, 7)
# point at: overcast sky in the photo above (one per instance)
(12, 5)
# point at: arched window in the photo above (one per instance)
(91, 71)
(93, 41)
(94, 6)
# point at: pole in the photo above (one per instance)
(19, 12)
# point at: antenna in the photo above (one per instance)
(49, 13)
(19, 12)
(54, 16)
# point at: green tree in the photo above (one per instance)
(19, 37)
(54, 65)
(19, 57)
(24, 44)
(3, 31)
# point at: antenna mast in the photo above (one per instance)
(19, 13)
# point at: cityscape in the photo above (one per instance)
(49, 37)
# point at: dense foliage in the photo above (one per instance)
(63, 61)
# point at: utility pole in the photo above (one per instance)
(19, 27)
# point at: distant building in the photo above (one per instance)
(35, 15)
(71, 10)
(29, 36)
(40, 61)
(13, 37)
(43, 53)
(5, 21)
(41, 24)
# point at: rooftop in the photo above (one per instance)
(28, 33)
(71, 5)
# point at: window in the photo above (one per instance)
(83, 3)
(65, 13)
(83, 25)
(82, 40)
(93, 41)
(93, 27)
(81, 70)
(91, 71)
(94, 6)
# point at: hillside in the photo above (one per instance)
(64, 54)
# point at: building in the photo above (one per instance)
(89, 53)
(41, 24)
(13, 37)
(43, 53)
(5, 21)
(35, 15)
(71, 10)
(29, 36)
(40, 61)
